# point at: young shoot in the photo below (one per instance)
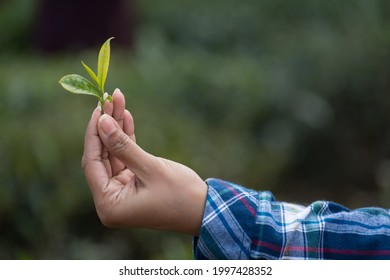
(79, 85)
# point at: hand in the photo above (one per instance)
(132, 188)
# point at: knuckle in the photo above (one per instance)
(121, 143)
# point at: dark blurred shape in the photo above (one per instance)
(76, 24)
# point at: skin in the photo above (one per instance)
(132, 188)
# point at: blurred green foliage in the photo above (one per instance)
(288, 96)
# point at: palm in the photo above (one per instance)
(120, 185)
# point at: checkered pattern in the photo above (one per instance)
(240, 223)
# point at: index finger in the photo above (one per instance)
(93, 161)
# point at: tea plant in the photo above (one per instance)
(79, 85)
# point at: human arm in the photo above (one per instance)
(241, 223)
(132, 188)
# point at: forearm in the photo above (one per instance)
(243, 224)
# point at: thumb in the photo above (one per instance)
(122, 147)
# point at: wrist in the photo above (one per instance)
(199, 200)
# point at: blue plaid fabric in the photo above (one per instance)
(241, 224)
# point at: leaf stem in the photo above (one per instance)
(102, 102)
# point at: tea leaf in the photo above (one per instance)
(79, 85)
(92, 74)
(103, 63)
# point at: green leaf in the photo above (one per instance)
(92, 74)
(79, 85)
(103, 63)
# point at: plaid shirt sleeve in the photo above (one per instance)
(241, 224)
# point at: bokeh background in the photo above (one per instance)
(287, 96)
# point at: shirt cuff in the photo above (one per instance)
(224, 233)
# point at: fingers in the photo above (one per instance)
(92, 144)
(122, 147)
(121, 115)
(128, 125)
(119, 103)
(118, 109)
(93, 163)
(108, 107)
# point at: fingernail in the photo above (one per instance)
(117, 90)
(107, 124)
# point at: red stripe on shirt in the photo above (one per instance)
(239, 195)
